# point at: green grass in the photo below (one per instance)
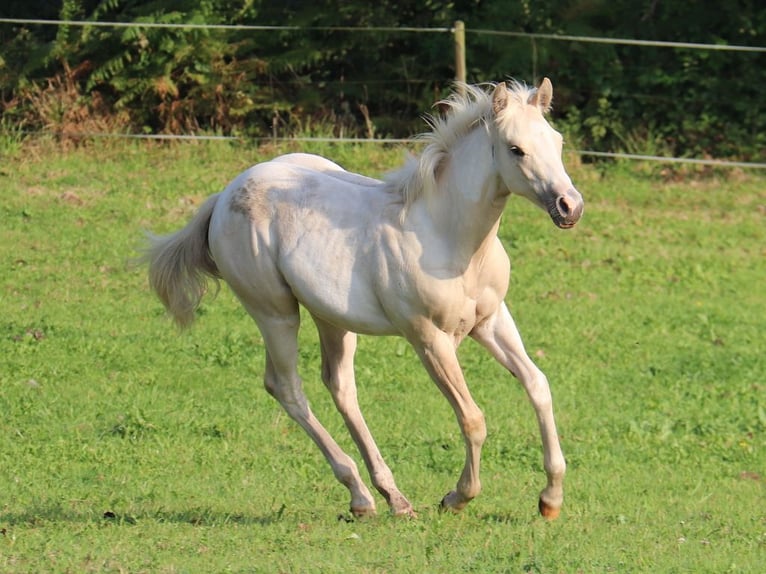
(128, 447)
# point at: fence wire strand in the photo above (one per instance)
(192, 26)
(391, 29)
(414, 141)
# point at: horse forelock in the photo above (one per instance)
(520, 92)
(463, 111)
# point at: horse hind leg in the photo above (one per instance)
(283, 383)
(338, 347)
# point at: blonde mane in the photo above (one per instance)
(417, 177)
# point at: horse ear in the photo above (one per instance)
(499, 98)
(543, 97)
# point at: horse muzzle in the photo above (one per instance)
(566, 208)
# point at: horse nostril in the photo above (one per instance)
(563, 205)
(567, 209)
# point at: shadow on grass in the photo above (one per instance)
(40, 516)
(504, 518)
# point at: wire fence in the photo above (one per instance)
(407, 30)
(389, 29)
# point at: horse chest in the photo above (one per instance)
(453, 305)
(432, 284)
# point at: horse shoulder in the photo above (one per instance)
(458, 303)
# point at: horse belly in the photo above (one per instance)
(331, 280)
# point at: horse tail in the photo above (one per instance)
(180, 265)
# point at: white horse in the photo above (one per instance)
(416, 255)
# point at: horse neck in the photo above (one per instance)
(470, 199)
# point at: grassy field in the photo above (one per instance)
(128, 447)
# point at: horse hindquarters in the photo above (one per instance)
(244, 255)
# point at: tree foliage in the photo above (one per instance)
(315, 76)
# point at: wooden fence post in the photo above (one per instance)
(460, 76)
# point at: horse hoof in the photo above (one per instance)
(547, 511)
(449, 503)
(363, 511)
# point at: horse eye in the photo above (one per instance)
(517, 151)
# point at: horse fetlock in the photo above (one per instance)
(399, 505)
(362, 502)
(555, 472)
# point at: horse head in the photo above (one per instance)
(527, 152)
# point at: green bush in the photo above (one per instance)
(359, 83)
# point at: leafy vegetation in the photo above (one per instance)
(126, 446)
(362, 83)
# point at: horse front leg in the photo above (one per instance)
(436, 350)
(500, 336)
